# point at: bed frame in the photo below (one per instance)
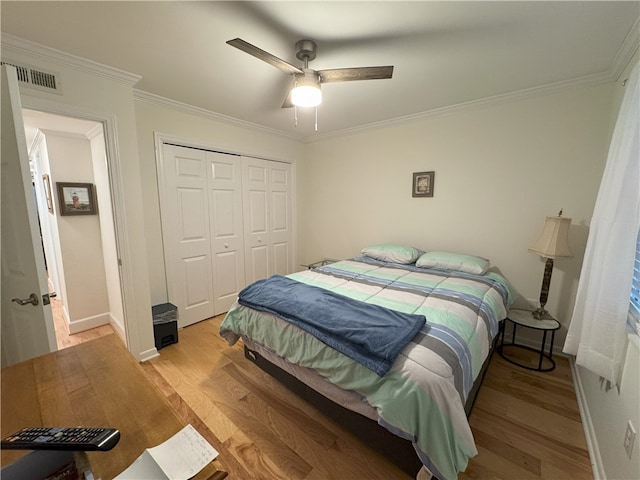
(398, 450)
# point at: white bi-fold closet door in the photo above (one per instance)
(267, 218)
(226, 221)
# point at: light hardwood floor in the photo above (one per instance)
(526, 424)
(63, 338)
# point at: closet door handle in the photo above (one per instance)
(226, 245)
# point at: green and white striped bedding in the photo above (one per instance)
(422, 397)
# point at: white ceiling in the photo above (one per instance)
(445, 53)
(34, 121)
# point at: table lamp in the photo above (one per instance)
(552, 244)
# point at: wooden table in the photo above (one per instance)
(97, 383)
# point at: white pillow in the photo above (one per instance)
(392, 253)
(454, 261)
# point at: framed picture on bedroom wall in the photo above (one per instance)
(423, 184)
(76, 198)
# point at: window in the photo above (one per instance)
(634, 307)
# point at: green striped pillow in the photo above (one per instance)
(392, 253)
(454, 261)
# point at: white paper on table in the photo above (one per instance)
(143, 468)
(179, 458)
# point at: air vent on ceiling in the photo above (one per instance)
(35, 78)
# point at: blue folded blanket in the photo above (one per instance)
(369, 334)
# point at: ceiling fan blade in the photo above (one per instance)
(264, 56)
(357, 73)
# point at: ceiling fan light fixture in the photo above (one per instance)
(306, 92)
(306, 96)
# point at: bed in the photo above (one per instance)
(422, 383)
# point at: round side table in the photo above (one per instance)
(524, 318)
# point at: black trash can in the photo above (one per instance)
(165, 324)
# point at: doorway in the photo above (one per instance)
(79, 249)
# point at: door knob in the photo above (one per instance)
(33, 300)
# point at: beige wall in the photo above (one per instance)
(84, 290)
(500, 169)
(107, 230)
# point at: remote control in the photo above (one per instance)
(63, 438)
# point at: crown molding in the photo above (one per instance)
(37, 138)
(588, 80)
(627, 51)
(19, 46)
(62, 133)
(595, 79)
(94, 132)
(625, 54)
(208, 114)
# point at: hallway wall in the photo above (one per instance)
(76, 241)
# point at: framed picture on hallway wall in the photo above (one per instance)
(76, 198)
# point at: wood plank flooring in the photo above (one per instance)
(63, 339)
(526, 424)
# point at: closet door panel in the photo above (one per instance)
(192, 237)
(227, 238)
(256, 218)
(281, 256)
(258, 263)
(226, 279)
(185, 222)
(281, 218)
(194, 276)
(191, 207)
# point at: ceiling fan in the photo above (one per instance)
(306, 91)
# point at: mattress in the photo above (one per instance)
(423, 395)
(347, 399)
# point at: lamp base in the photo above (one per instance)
(541, 314)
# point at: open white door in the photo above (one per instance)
(26, 322)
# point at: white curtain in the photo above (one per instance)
(597, 333)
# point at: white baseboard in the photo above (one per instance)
(88, 323)
(587, 423)
(119, 330)
(149, 354)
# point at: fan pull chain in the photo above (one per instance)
(295, 117)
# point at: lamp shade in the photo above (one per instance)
(554, 241)
(306, 92)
